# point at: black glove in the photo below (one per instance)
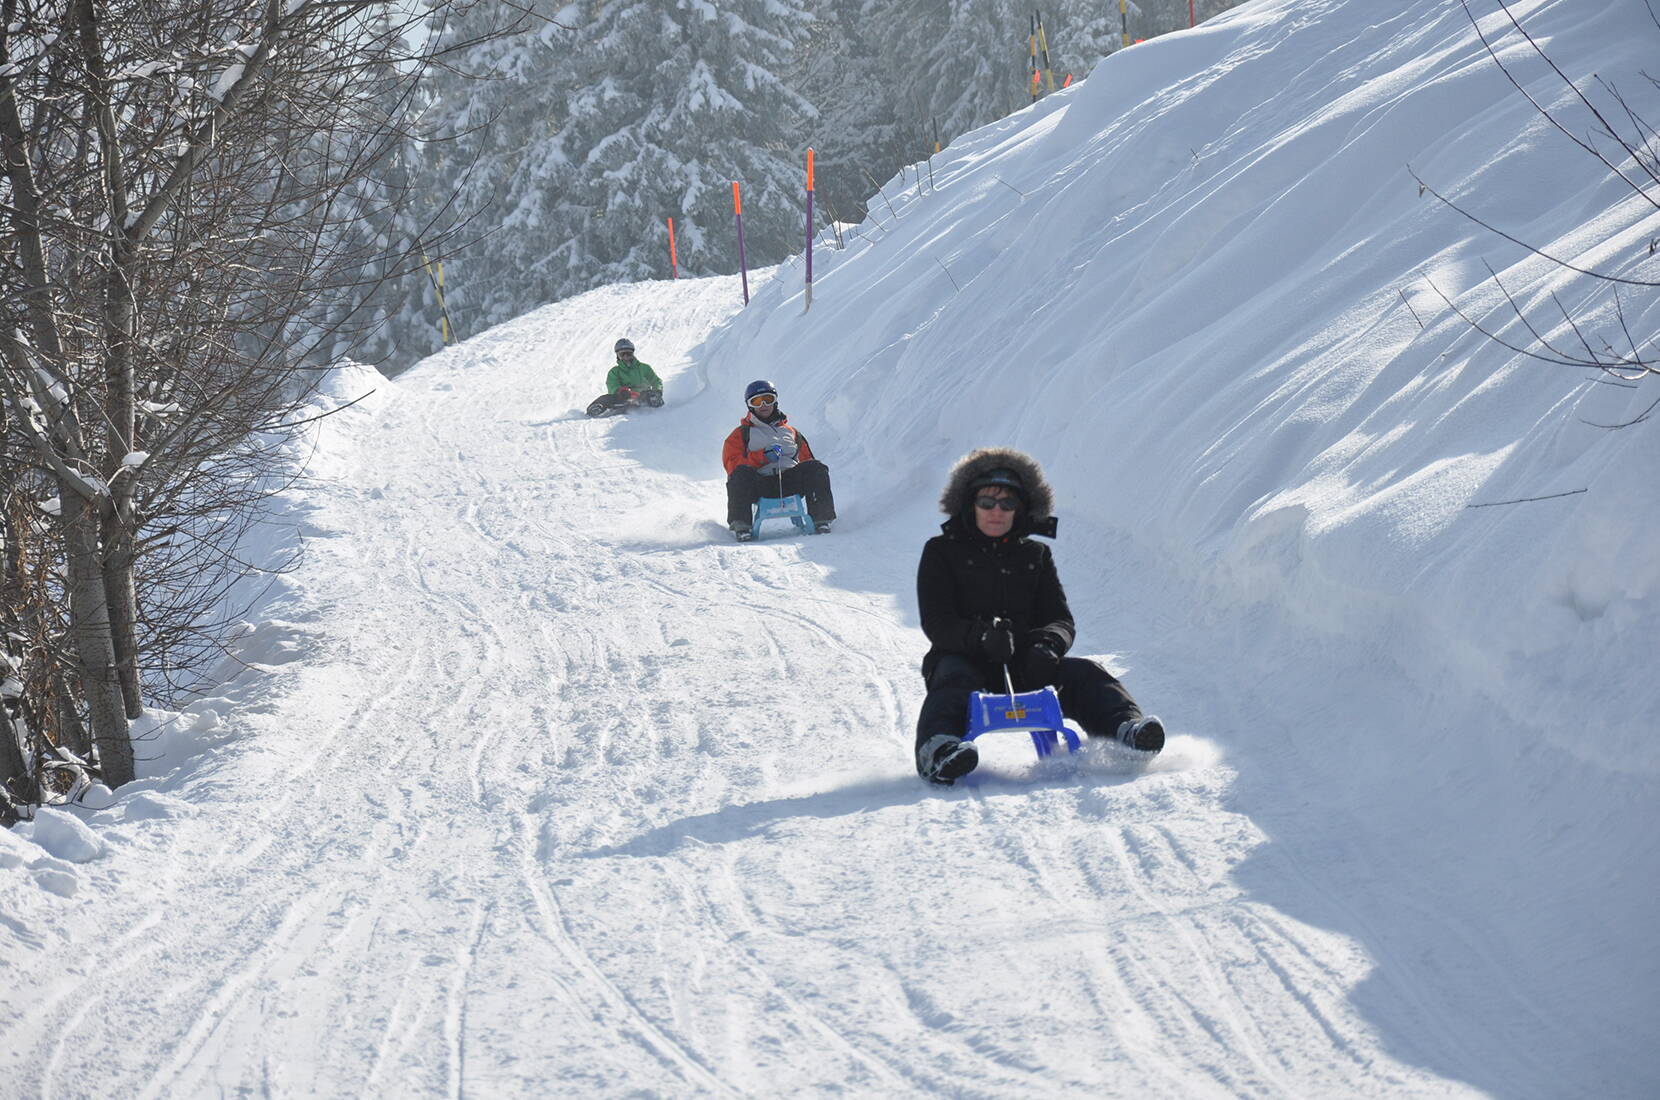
(1039, 662)
(997, 643)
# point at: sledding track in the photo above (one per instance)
(568, 795)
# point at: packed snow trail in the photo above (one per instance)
(565, 793)
(541, 785)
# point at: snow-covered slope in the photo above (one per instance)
(544, 787)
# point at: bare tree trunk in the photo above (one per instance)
(15, 786)
(72, 733)
(13, 770)
(14, 774)
(120, 416)
(119, 321)
(90, 626)
(120, 408)
(121, 597)
(88, 606)
(179, 191)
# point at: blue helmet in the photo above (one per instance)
(760, 385)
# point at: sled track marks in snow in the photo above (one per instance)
(1213, 1009)
(455, 1009)
(607, 1005)
(1262, 980)
(736, 922)
(232, 989)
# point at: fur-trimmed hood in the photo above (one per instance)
(1035, 518)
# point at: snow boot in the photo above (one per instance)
(822, 527)
(743, 532)
(1142, 734)
(943, 759)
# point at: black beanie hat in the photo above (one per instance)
(1003, 476)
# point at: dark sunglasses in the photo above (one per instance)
(625, 354)
(1005, 504)
(762, 400)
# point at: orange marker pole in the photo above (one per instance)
(674, 263)
(738, 213)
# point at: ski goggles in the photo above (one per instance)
(1005, 504)
(762, 400)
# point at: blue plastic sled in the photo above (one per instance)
(1035, 712)
(792, 508)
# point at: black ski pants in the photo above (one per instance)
(1090, 696)
(811, 479)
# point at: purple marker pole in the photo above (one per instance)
(738, 212)
(809, 229)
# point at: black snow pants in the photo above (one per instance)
(1090, 696)
(811, 479)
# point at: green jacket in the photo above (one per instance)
(635, 375)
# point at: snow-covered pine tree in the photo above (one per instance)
(597, 128)
(571, 143)
(884, 77)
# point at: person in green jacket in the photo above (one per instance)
(629, 383)
(633, 375)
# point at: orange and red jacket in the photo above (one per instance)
(737, 453)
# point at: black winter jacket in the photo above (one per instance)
(966, 579)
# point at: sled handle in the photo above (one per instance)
(1002, 623)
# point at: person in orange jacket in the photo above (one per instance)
(765, 457)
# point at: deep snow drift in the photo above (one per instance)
(540, 785)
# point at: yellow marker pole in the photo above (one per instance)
(1043, 44)
(1124, 20)
(442, 305)
(438, 290)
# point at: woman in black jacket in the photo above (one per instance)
(989, 596)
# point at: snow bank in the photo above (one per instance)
(1199, 287)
